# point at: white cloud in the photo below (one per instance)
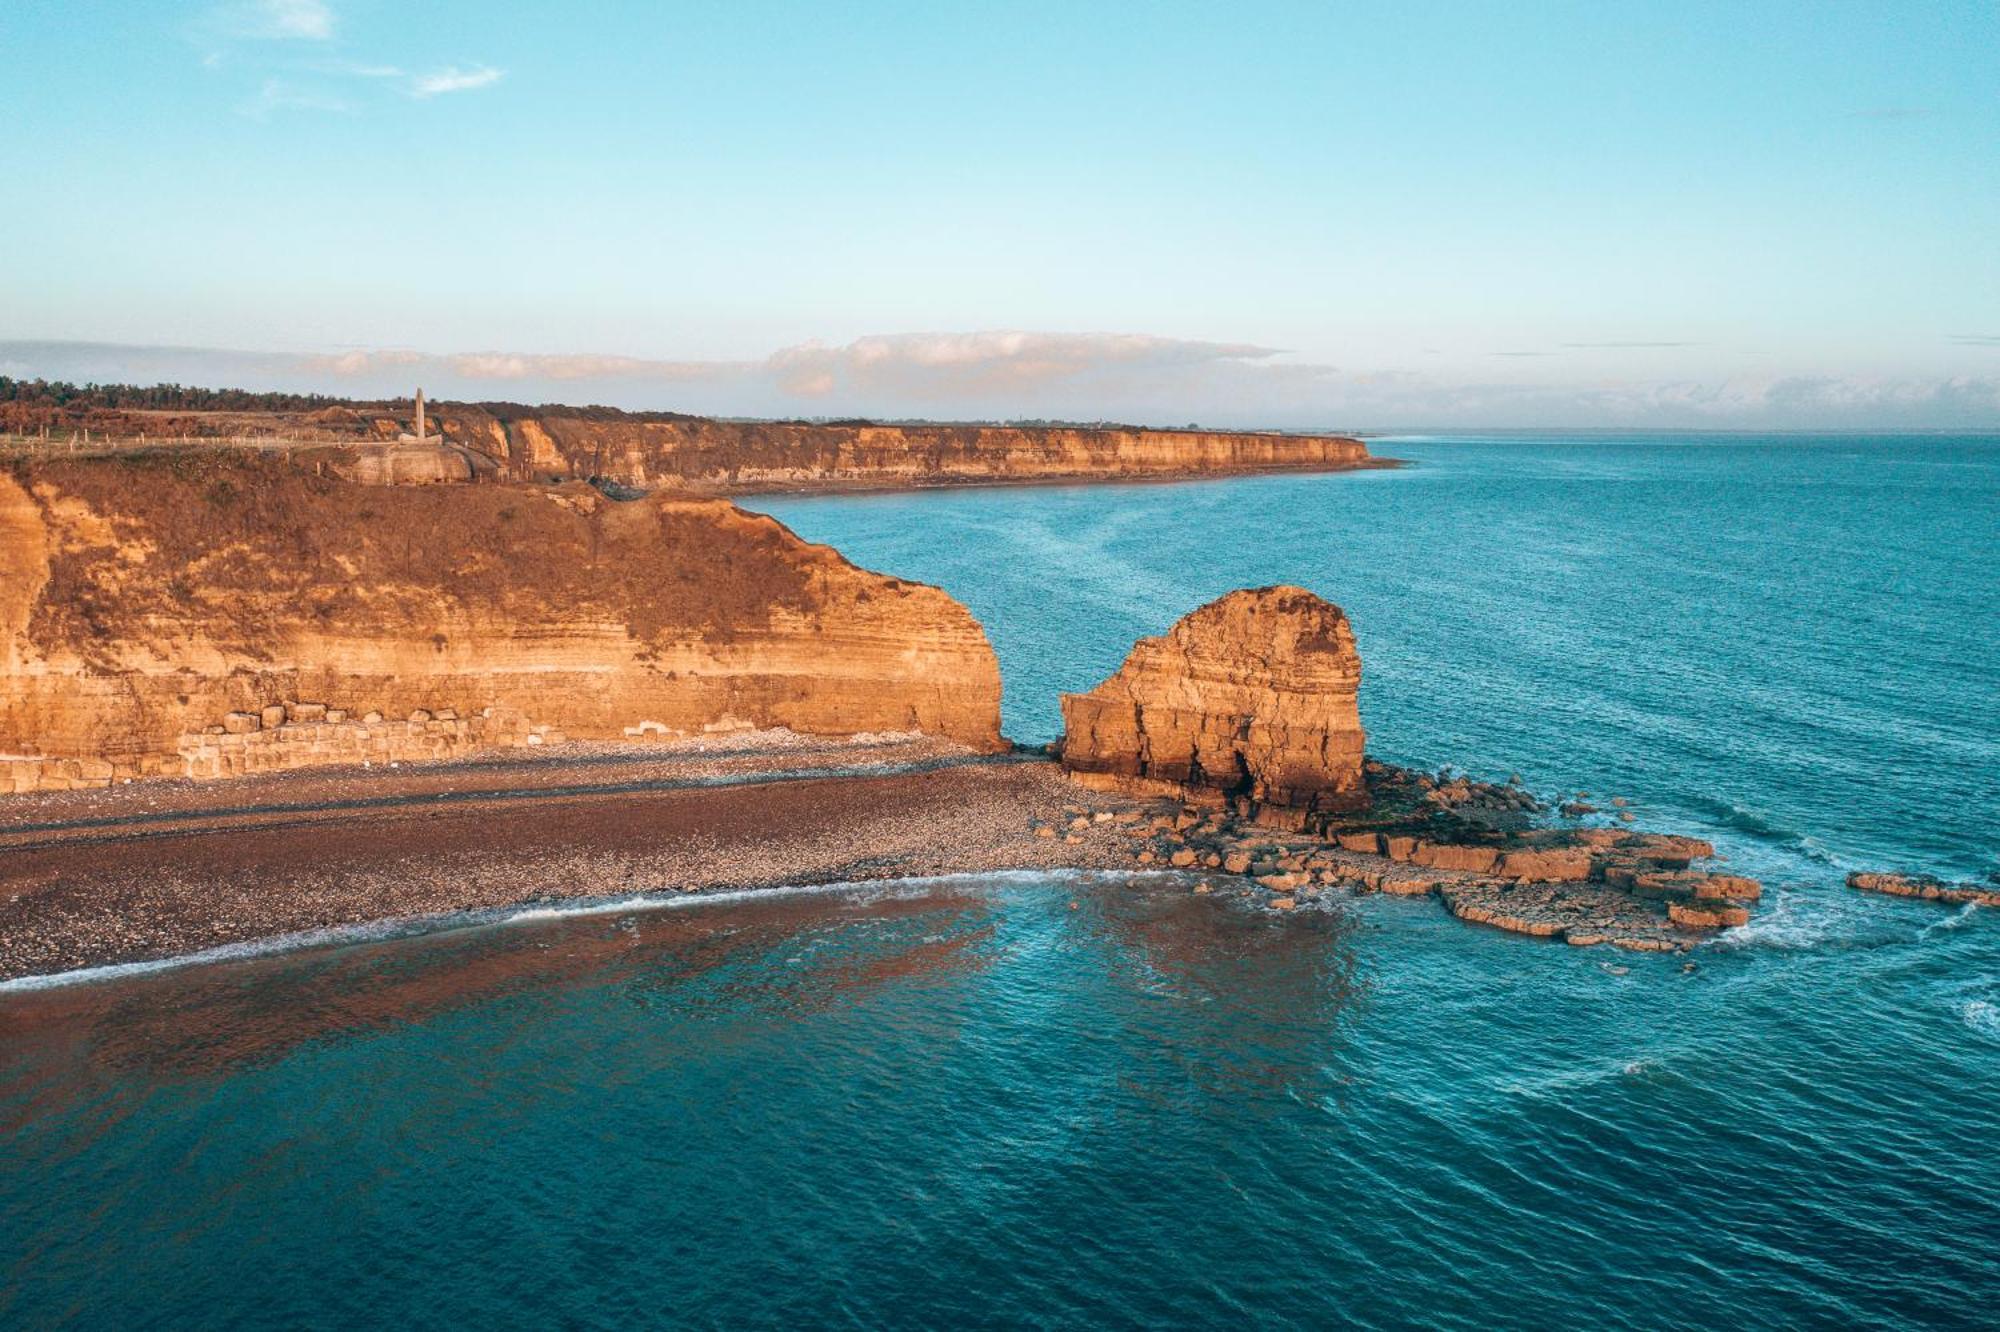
(947, 364)
(281, 20)
(1010, 375)
(279, 95)
(452, 79)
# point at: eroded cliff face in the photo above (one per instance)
(203, 614)
(1252, 696)
(723, 457)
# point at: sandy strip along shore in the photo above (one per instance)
(159, 870)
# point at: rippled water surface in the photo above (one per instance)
(1025, 1100)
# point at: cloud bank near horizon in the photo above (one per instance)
(1008, 375)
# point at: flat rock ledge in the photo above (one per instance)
(1471, 845)
(1925, 887)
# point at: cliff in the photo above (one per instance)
(1252, 696)
(741, 457)
(649, 450)
(209, 613)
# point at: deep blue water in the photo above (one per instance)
(973, 1103)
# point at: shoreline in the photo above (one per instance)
(807, 490)
(151, 871)
(153, 874)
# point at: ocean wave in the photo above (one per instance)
(1738, 817)
(1956, 920)
(1982, 1015)
(406, 927)
(1559, 1083)
(1793, 923)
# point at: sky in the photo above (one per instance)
(1368, 216)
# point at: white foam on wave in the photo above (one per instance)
(404, 927)
(1955, 921)
(1793, 923)
(1982, 1015)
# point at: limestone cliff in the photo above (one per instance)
(207, 613)
(650, 450)
(739, 457)
(1251, 696)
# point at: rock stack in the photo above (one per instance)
(1249, 699)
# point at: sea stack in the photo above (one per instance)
(1250, 698)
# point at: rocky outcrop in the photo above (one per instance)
(732, 457)
(1251, 697)
(1246, 710)
(1925, 888)
(1631, 890)
(198, 614)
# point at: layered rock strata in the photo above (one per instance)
(729, 457)
(1250, 698)
(205, 614)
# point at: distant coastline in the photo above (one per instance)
(652, 450)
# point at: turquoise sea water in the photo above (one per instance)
(1036, 1101)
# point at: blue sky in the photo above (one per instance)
(1310, 214)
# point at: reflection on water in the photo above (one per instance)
(1025, 1101)
(1019, 1099)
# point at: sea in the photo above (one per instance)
(1080, 1101)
